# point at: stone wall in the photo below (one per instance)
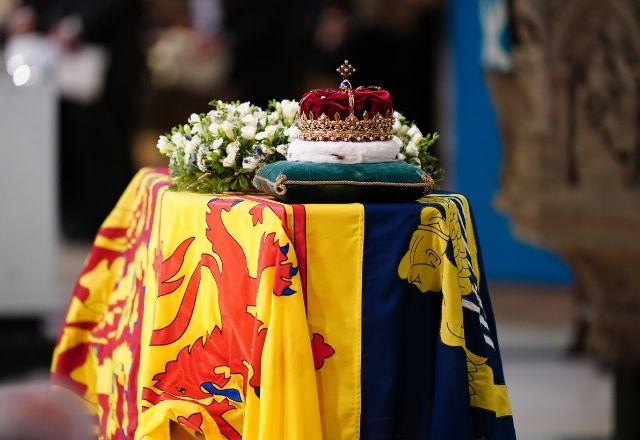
(569, 112)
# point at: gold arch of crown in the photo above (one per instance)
(350, 129)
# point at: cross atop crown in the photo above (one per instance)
(345, 71)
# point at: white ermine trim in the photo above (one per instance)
(342, 152)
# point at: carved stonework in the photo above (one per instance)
(570, 117)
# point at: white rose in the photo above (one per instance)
(178, 139)
(268, 133)
(282, 149)
(396, 124)
(215, 146)
(249, 163)
(292, 132)
(411, 149)
(229, 161)
(250, 120)
(199, 129)
(248, 132)
(414, 131)
(192, 145)
(261, 116)
(194, 118)
(164, 145)
(214, 128)
(227, 128)
(233, 148)
(401, 156)
(273, 117)
(289, 110)
(244, 108)
(190, 148)
(214, 115)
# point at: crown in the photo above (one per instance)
(363, 114)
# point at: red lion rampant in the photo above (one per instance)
(206, 368)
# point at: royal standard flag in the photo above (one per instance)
(236, 316)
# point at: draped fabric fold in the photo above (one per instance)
(235, 316)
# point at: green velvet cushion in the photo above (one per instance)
(306, 182)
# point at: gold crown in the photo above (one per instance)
(350, 129)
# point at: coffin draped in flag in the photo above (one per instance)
(235, 316)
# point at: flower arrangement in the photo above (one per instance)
(220, 151)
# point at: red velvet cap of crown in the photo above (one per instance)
(373, 100)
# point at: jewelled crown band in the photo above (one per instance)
(350, 129)
(316, 125)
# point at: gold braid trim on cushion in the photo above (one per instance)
(350, 129)
(428, 183)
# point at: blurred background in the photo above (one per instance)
(537, 102)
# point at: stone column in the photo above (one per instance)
(569, 113)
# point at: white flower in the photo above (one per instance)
(248, 132)
(396, 123)
(250, 163)
(194, 118)
(411, 149)
(250, 120)
(414, 132)
(233, 147)
(273, 118)
(401, 156)
(289, 110)
(192, 145)
(178, 139)
(292, 132)
(214, 128)
(198, 128)
(261, 116)
(282, 149)
(214, 116)
(227, 128)
(164, 145)
(187, 129)
(268, 133)
(244, 108)
(229, 161)
(190, 148)
(215, 146)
